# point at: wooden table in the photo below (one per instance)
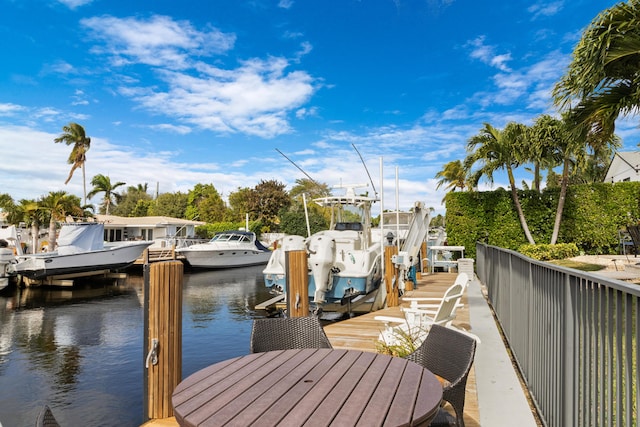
(318, 387)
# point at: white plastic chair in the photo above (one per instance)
(431, 304)
(418, 321)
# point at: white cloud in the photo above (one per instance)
(303, 113)
(545, 9)
(254, 98)
(182, 130)
(285, 4)
(9, 109)
(158, 41)
(487, 55)
(532, 83)
(72, 4)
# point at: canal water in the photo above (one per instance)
(80, 350)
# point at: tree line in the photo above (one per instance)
(271, 208)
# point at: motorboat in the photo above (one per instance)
(81, 249)
(344, 262)
(234, 248)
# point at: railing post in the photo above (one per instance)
(567, 401)
(297, 278)
(163, 342)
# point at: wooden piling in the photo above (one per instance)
(297, 283)
(390, 276)
(423, 258)
(408, 286)
(165, 329)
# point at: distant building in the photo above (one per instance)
(162, 229)
(624, 166)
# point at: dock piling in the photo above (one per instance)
(297, 283)
(163, 337)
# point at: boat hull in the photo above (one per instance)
(227, 249)
(225, 258)
(114, 257)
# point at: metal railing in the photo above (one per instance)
(574, 336)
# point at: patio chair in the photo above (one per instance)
(448, 354)
(418, 321)
(46, 418)
(432, 303)
(634, 232)
(287, 333)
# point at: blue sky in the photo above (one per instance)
(178, 93)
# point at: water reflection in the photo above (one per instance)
(80, 350)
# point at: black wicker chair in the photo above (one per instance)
(287, 333)
(46, 418)
(634, 233)
(448, 354)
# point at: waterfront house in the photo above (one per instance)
(625, 166)
(161, 229)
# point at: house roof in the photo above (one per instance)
(111, 221)
(622, 162)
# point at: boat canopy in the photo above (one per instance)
(80, 237)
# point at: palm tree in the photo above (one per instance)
(541, 147)
(140, 188)
(58, 204)
(497, 150)
(454, 175)
(602, 79)
(30, 212)
(102, 184)
(575, 139)
(75, 134)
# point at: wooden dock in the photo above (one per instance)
(157, 255)
(361, 333)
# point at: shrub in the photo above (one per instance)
(546, 252)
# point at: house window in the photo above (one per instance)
(181, 232)
(113, 235)
(147, 233)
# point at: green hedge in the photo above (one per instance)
(593, 215)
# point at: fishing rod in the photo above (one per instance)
(299, 168)
(367, 170)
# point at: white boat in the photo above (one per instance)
(9, 247)
(234, 248)
(81, 249)
(344, 262)
(6, 258)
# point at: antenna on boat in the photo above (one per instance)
(299, 168)
(365, 168)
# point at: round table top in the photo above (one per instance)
(309, 387)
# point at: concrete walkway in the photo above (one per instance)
(501, 399)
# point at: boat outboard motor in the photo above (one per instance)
(6, 258)
(322, 251)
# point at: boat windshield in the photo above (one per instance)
(230, 237)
